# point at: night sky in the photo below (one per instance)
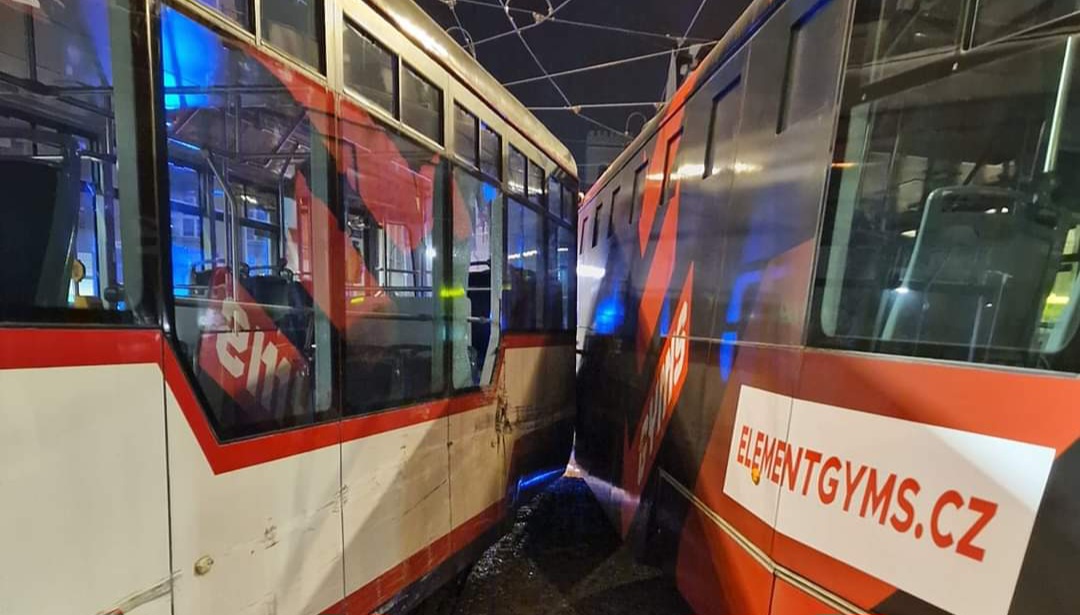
(562, 46)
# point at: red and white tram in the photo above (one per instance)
(286, 301)
(829, 315)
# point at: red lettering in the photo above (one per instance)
(966, 546)
(877, 498)
(813, 457)
(832, 463)
(792, 471)
(907, 486)
(778, 462)
(851, 485)
(744, 442)
(755, 460)
(944, 540)
(770, 456)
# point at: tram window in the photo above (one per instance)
(597, 219)
(723, 121)
(295, 28)
(569, 203)
(370, 68)
(238, 11)
(559, 310)
(465, 135)
(611, 212)
(244, 294)
(490, 152)
(671, 173)
(1000, 18)
(555, 197)
(13, 45)
(584, 225)
(394, 206)
(955, 215)
(639, 189)
(421, 105)
(804, 92)
(474, 319)
(894, 28)
(516, 172)
(70, 235)
(536, 183)
(525, 276)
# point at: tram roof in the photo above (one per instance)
(744, 27)
(425, 32)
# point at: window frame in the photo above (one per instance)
(611, 211)
(395, 61)
(404, 69)
(671, 156)
(637, 192)
(513, 151)
(458, 107)
(486, 128)
(322, 62)
(539, 197)
(712, 143)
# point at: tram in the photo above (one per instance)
(286, 319)
(829, 312)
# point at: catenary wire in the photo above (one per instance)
(591, 67)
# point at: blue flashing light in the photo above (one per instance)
(727, 353)
(742, 283)
(190, 58)
(610, 314)
(526, 482)
(665, 317)
(185, 145)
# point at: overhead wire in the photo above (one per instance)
(695, 18)
(686, 33)
(618, 29)
(506, 5)
(573, 22)
(469, 42)
(613, 105)
(538, 19)
(519, 31)
(597, 66)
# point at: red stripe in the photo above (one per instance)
(39, 348)
(372, 424)
(246, 453)
(658, 280)
(537, 340)
(392, 582)
(1038, 408)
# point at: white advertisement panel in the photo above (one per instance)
(942, 514)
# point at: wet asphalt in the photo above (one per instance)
(563, 557)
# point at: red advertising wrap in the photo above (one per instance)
(663, 396)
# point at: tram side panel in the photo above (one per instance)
(862, 483)
(743, 176)
(84, 522)
(782, 153)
